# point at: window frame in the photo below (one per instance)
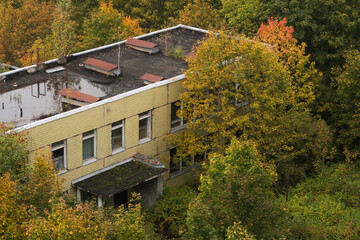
(237, 103)
(93, 135)
(62, 145)
(115, 126)
(179, 119)
(146, 115)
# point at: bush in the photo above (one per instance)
(169, 212)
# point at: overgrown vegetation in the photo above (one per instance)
(292, 107)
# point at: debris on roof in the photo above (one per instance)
(55, 69)
(71, 94)
(147, 160)
(150, 78)
(120, 178)
(102, 67)
(142, 45)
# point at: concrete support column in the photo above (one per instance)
(78, 195)
(100, 202)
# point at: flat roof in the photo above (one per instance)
(133, 65)
(120, 177)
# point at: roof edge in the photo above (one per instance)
(100, 171)
(99, 103)
(108, 46)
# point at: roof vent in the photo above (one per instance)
(143, 46)
(102, 67)
(149, 78)
(76, 98)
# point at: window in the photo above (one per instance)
(175, 166)
(145, 125)
(117, 135)
(89, 146)
(240, 103)
(176, 121)
(179, 165)
(59, 155)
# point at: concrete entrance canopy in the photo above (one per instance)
(119, 177)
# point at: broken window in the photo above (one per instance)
(145, 126)
(59, 155)
(117, 135)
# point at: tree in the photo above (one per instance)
(106, 25)
(152, 14)
(62, 29)
(13, 153)
(63, 222)
(199, 14)
(345, 108)
(327, 27)
(43, 185)
(242, 88)
(168, 215)
(129, 223)
(236, 187)
(17, 34)
(60, 42)
(242, 15)
(13, 214)
(326, 206)
(294, 57)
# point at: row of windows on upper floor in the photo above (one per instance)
(117, 138)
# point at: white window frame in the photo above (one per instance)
(237, 103)
(93, 135)
(144, 115)
(63, 145)
(114, 126)
(179, 119)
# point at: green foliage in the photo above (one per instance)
(242, 15)
(236, 187)
(327, 206)
(106, 25)
(169, 212)
(12, 213)
(62, 29)
(83, 221)
(20, 27)
(199, 14)
(345, 109)
(152, 14)
(43, 184)
(327, 27)
(176, 52)
(129, 223)
(13, 153)
(237, 231)
(242, 88)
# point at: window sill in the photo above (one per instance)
(62, 172)
(177, 129)
(242, 104)
(119, 150)
(89, 161)
(145, 140)
(181, 172)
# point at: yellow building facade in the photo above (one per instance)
(93, 140)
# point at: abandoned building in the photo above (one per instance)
(103, 114)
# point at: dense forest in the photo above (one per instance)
(278, 117)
